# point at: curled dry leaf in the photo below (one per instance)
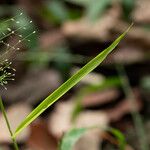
(16, 113)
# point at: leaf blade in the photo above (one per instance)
(69, 84)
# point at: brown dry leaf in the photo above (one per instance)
(40, 138)
(124, 107)
(16, 113)
(127, 54)
(141, 13)
(101, 97)
(100, 29)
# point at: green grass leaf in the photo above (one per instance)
(68, 84)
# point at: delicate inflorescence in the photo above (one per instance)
(6, 71)
(11, 32)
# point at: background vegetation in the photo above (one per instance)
(47, 42)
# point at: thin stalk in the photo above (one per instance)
(137, 118)
(8, 124)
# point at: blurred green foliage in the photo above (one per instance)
(72, 136)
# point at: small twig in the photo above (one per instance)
(8, 124)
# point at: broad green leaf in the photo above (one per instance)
(68, 84)
(71, 137)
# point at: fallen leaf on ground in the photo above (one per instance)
(40, 138)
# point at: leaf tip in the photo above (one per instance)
(131, 25)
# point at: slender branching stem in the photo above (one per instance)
(8, 124)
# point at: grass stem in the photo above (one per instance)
(8, 124)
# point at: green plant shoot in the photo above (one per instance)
(68, 84)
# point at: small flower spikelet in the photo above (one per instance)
(6, 73)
